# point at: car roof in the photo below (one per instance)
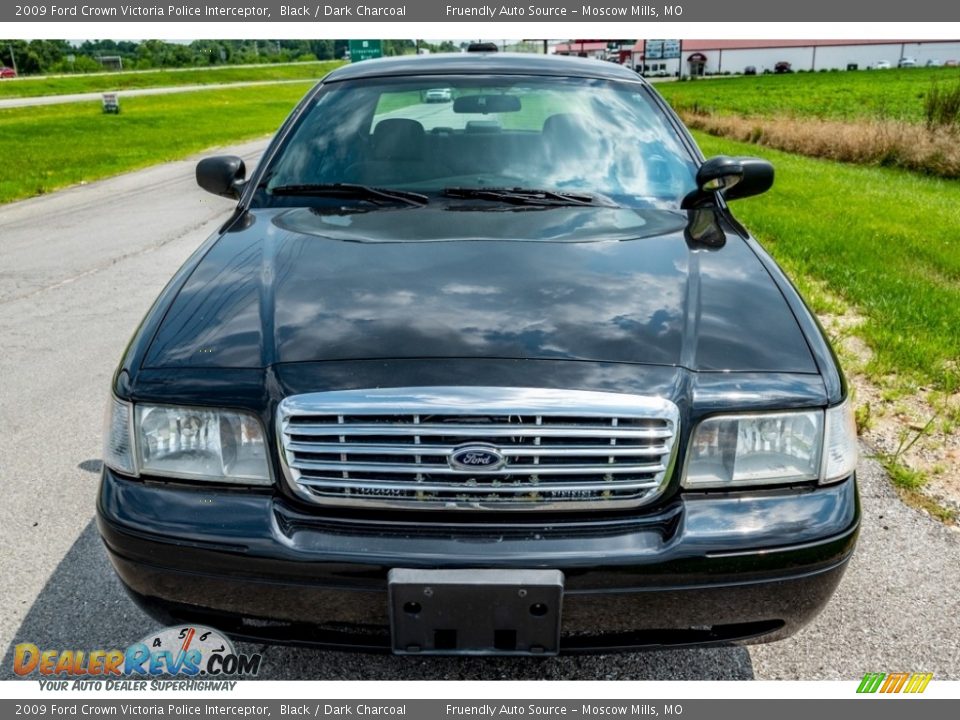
(483, 63)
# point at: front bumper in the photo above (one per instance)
(706, 568)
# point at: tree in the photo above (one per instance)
(28, 61)
(323, 49)
(398, 47)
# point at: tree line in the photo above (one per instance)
(35, 57)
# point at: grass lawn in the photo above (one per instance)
(394, 101)
(100, 82)
(885, 240)
(45, 148)
(854, 95)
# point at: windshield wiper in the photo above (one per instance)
(525, 196)
(351, 190)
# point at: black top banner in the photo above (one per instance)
(452, 11)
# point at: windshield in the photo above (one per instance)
(439, 136)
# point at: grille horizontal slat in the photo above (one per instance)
(501, 488)
(511, 450)
(396, 448)
(540, 469)
(478, 431)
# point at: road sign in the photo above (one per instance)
(364, 49)
(111, 103)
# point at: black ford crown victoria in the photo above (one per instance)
(501, 374)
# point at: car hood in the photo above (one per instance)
(577, 283)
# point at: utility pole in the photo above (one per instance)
(13, 58)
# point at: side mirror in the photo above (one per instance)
(733, 177)
(222, 175)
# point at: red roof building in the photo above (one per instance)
(725, 57)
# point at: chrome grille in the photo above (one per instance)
(554, 449)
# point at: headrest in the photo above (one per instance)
(565, 124)
(398, 139)
(569, 137)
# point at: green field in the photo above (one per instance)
(886, 241)
(49, 147)
(854, 95)
(100, 82)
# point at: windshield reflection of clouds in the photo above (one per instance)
(601, 138)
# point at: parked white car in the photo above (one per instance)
(906, 62)
(882, 65)
(438, 95)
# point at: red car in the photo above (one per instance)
(6, 72)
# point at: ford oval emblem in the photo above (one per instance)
(476, 458)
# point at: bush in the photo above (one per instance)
(941, 106)
(886, 143)
(81, 64)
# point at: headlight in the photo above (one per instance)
(755, 449)
(768, 448)
(192, 443)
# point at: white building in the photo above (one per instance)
(711, 57)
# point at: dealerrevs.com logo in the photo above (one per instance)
(188, 652)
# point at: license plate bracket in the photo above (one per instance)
(475, 612)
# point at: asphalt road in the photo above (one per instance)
(430, 115)
(79, 268)
(14, 102)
